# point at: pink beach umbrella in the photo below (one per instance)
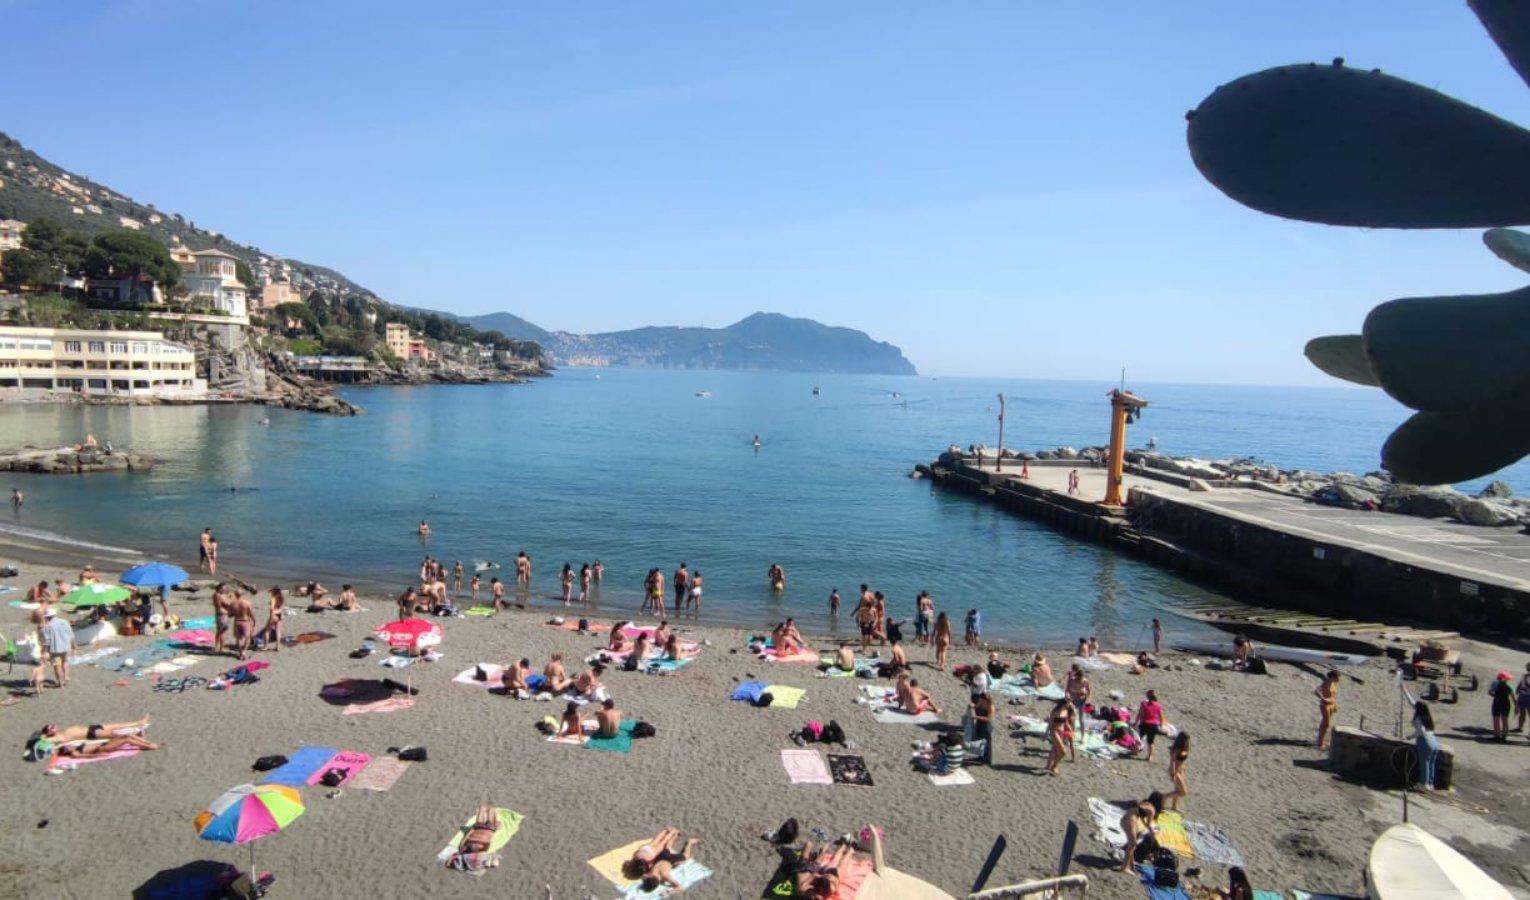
(409, 634)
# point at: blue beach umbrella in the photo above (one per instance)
(154, 574)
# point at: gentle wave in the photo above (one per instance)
(14, 531)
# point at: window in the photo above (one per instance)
(119, 346)
(71, 346)
(140, 347)
(97, 346)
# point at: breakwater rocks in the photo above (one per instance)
(72, 461)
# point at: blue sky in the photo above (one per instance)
(1001, 189)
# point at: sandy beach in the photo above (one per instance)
(714, 770)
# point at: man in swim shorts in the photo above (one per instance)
(244, 624)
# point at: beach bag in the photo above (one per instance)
(334, 777)
(766, 699)
(412, 754)
(267, 763)
(832, 734)
(1256, 666)
(786, 835)
(643, 730)
(584, 626)
(812, 732)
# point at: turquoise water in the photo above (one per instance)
(633, 468)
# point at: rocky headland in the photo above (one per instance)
(72, 460)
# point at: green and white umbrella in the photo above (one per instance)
(96, 594)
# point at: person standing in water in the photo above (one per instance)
(834, 601)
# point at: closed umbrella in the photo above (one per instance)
(247, 812)
(96, 594)
(154, 574)
(409, 634)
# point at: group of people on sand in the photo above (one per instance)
(59, 743)
(633, 652)
(517, 682)
(234, 614)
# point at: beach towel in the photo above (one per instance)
(803, 655)
(348, 760)
(1095, 746)
(20, 604)
(198, 623)
(609, 865)
(392, 704)
(1107, 823)
(1268, 895)
(200, 637)
(509, 824)
(396, 662)
(1169, 829)
(960, 776)
(1028, 725)
(380, 775)
(849, 770)
(852, 875)
(1298, 894)
(1159, 892)
(1212, 844)
(300, 766)
(666, 665)
(622, 743)
(573, 625)
(749, 692)
(492, 670)
(688, 873)
(312, 637)
(805, 767)
(68, 762)
(1091, 663)
(1119, 659)
(479, 611)
(572, 739)
(784, 696)
(888, 715)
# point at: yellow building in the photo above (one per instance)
(132, 363)
(396, 336)
(275, 294)
(10, 234)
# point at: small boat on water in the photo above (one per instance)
(1409, 863)
(815, 390)
(703, 394)
(1274, 653)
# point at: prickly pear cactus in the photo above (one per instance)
(1342, 146)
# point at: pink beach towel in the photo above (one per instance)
(388, 705)
(199, 636)
(59, 761)
(345, 759)
(806, 767)
(852, 875)
(804, 655)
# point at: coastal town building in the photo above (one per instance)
(10, 234)
(402, 344)
(121, 363)
(275, 294)
(212, 281)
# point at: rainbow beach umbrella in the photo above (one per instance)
(247, 812)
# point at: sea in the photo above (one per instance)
(641, 468)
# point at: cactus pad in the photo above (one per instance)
(1342, 356)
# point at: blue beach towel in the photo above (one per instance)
(1157, 892)
(300, 766)
(666, 665)
(749, 691)
(535, 682)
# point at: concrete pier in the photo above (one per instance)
(1268, 547)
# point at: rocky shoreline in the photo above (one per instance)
(1495, 506)
(73, 461)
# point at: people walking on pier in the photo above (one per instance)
(1328, 704)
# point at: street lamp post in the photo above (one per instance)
(998, 460)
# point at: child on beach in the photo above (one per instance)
(974, 627)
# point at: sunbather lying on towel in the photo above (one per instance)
(912, 698)
(67, 734)
(815, 879)
(619, 642)
(653, 863)
(481, 835)
(82, 751)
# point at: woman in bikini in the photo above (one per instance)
(85, 751)
(662, 871)
(644, 857)
(1328, 703)
(619, 642)
(480, 835)
(1060, 733)
(942, 640)
(1179, 751)
(1138, 823)
(572, 725)
(816, 879)
(673, 650)
(639, 653)
(273, 629)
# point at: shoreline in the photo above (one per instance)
(1253, 773)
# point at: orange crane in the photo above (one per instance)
(1125, 407)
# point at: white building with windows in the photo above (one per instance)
(212, 282)
(122, 363)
